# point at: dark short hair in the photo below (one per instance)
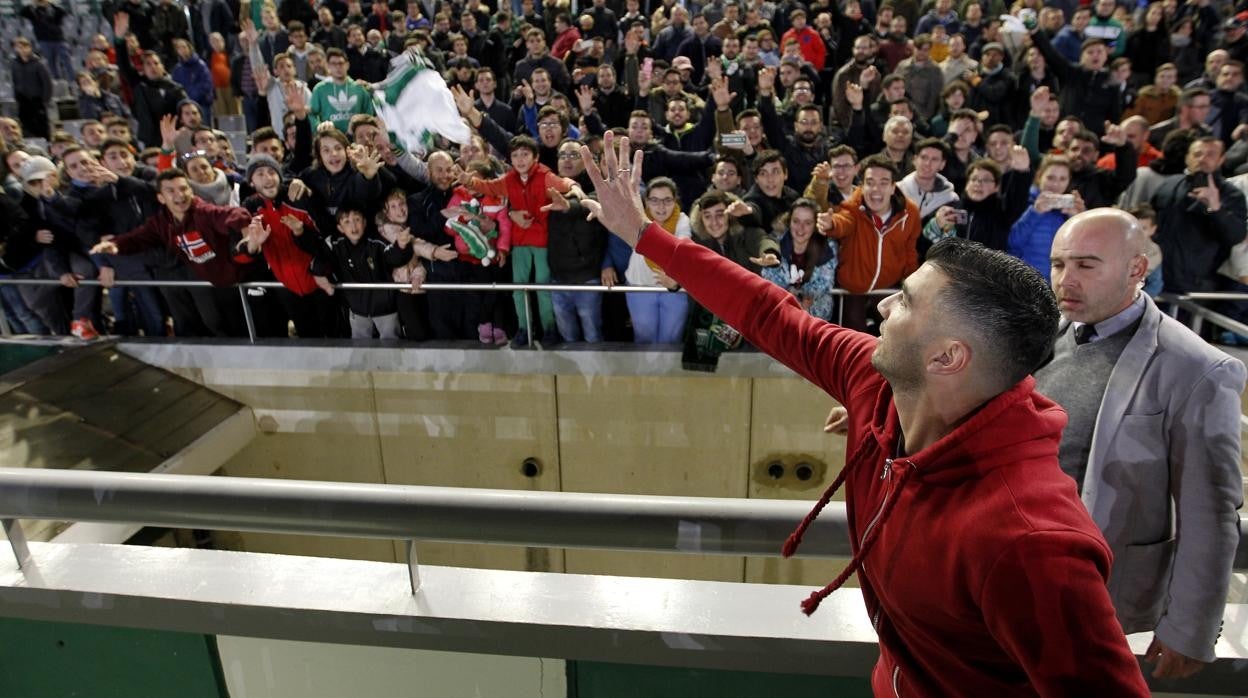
(767, 157)
(110, 143)
(932, 143)
(168, 176)
(880, 162)
(522, 143)
(987, 165)
(842, 149)
(1007, 306)
(1143, 212)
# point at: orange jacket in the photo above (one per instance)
(871, 258)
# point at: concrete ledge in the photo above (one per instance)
(713, 625)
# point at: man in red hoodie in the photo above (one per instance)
(981, 570)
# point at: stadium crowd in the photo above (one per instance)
(824, 146)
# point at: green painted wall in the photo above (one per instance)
(17, 355)
(602, 680)
(60, 660)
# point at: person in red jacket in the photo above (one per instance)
(288, 240)
(982, 572)
(813, 49)
(525, 186)
(206, 237)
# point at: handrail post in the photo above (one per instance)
(251, 325)
(5, 329)
(413, 568)
(17, 539)
(528, 320)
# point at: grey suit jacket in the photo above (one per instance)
(1164, 482)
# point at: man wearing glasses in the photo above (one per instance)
(338, 99)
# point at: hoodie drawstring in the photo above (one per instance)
(811, 603)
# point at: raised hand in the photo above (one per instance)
(297, 190)
(295, 225)
(1208, 195)
(868, 76)
(854, 95)
(714, 68)
(719, 91)
(557, 202)
(618, 185)
(766, 82)
(825, 222)
(1039, 100)
(526, 91)
(768, 260)
(121, 24)
(585, 99)
(168, 131)
(296, 102)
(465, 102)
(1114, 135)
(1020, 159)
(822, 172)
(738, 209)
(405, 237)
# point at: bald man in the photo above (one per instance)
(1153, 439)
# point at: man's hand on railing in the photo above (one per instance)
(108, 277)
(609, 277)
(70, 280)
(104, 247)
(44, 236)
(324, 284)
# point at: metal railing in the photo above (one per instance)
(436, 287)
(691, 525)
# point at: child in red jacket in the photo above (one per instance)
(525, 187)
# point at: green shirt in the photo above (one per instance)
(338, 103)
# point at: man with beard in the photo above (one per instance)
(685, 168)
(1228, 107)
(449, 316)
(808, 146)
(1101, 187)
(955, 497)
(860, 70)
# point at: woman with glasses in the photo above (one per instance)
(658, 318)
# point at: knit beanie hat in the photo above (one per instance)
(259, 160)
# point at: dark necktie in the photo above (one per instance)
(1084, 334)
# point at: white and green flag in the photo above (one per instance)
(416, 105)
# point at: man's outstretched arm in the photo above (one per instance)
(835, 359)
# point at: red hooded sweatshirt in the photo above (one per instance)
(982, 572)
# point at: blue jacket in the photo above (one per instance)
(1031, 238)
(194, 77)
(817, 282)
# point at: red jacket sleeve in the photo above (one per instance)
(1078, 648)
(144, 237)
(836, 359)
